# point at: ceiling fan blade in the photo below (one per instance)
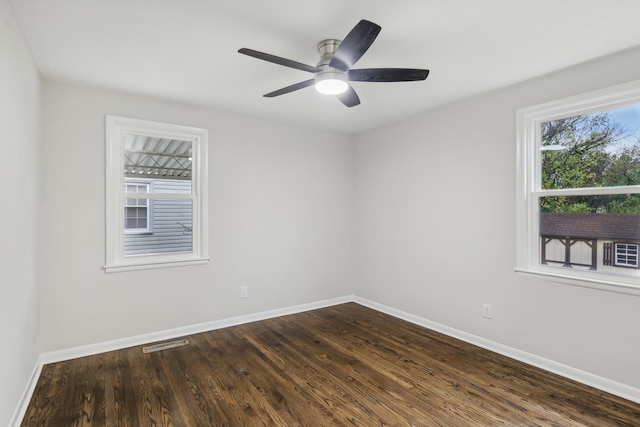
(387, 75)
(354, 45)
(278, 60)
(349, 98)
(291, 88)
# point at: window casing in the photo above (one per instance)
(160, 170)
(531, 194)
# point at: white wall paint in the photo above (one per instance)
(281, 220)
(19, 174)
(436, 230)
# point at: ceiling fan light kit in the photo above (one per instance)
(333, 74)
(331, 83)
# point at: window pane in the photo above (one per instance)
(594, 150)
(171, 229)
(136, 218)
(578, 232)
(152, 158)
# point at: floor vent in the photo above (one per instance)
(164, 346)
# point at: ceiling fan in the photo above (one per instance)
(333, 73)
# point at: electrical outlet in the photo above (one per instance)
(244, 292)
(486, 311)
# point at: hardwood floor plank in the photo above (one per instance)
(345, 365)
(356, 376)
(120, 406)
(320, 384)
(225, 378)
(156, 405)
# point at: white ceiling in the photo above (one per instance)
(186, 50)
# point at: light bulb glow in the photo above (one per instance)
(331, 86)
(331, 83)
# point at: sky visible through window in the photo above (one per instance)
(629, 117)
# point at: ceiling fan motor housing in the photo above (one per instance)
(329, 80)
(327, 48)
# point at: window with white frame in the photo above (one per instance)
(626, 254)
(156, 194)
(578, 189)
(137, 215)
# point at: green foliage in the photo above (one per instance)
(589, 157)
(628, 203)
(624, 167)
(565, 205)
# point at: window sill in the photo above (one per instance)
(604, 282)
(116, 268)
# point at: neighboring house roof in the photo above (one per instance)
(590, 226)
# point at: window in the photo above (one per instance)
(578, 189)
(156, 195)
(626, 255)
(136, 211)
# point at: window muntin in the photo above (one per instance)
(600, 152)
(166, 163)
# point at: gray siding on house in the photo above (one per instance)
(171, 222)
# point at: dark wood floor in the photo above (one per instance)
(340, 366)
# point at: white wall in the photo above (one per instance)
(280, 218)
(19, 174)
(435, 217)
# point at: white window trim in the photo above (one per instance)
(528, 187)
(116, 128)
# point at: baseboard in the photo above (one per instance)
(88, 350)
(604, 384)
(601, 383)
(23, 403)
